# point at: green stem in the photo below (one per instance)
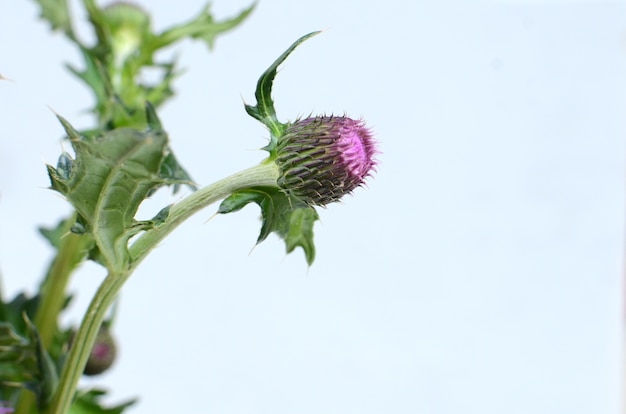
(260, 175)
(52, 297)
(83, 342)
(70, 253)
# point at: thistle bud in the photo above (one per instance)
(5, 408)
(129, 27)
(323, 158)
(102, 353)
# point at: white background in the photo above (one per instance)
(479, 272)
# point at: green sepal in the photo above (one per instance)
(288, 217)
(25, 363)
(264, 110)
(110, 177)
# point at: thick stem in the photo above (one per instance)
(261, 175)
(83, 342)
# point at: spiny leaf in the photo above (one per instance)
(173, 171)
(57, 14)
(48, 377)
(17, 307)
(54, 234)
(96, 78)
(20, 305)
(110, 177)
(18, 363)
(264, 109)
(300, 232)
(89, 403)
(25, 363)
(202, 27)
(162, 91)
(291, 219)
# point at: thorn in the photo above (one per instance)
(69, 129)
(253, 247)
(6, 79)
(52, 109)
(211, 218)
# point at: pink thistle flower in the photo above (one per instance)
(323, 158)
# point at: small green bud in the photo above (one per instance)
(128, 26)
(323, 158)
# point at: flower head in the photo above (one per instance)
(323, 158)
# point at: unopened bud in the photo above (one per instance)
(323, 158)
(102, 353)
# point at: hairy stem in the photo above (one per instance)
(260, 175)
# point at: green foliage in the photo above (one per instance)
(115, 166)
(55, 235)
(288, 217)
(21, 309)
(57, 13)
(89, 403)
(25, 363)
(110, 177)
(13, 311)
(125, 47)
(202, 27)
(264, 110)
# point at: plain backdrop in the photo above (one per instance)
(479, 272)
